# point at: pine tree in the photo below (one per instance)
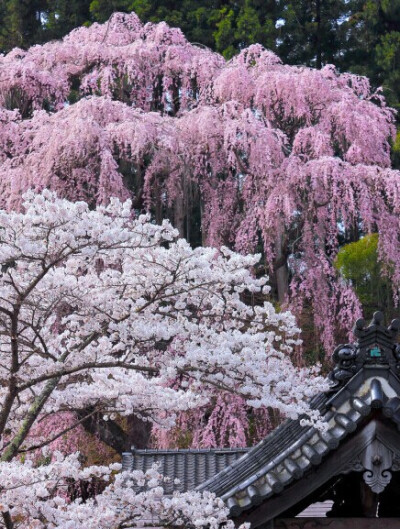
(22, 23)
(373, 44)
(65, 15)
(101, 10)
(311, 32)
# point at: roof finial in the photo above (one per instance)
(377, 318)
(376, 345)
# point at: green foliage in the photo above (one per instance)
(101, 10)
(21, 23)
(358, 263)
(237, 28)
(396, 152)
(64, 15)
(313, 32)
(388, 60)
(224, 33)
(372, 44)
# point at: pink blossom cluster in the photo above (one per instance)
(225, 422)
(68, 436)
(284, 154)
(142, 65)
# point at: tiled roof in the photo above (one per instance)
(290, 451)
(268, 453)
(190, 467)
(365, 378)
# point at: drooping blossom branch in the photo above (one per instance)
(259, 150)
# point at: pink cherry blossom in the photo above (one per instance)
(286, 155)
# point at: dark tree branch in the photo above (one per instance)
(9, 524)
(108, 431)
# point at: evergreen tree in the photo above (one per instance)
(101, 10)
(373, 46)
(359, 263)
(239, 24)
(311, 32)
(65, 15)
(226, 26)
(21, 23)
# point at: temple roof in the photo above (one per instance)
(190, 467)
(364, 387)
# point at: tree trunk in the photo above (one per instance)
(179, 212)
(9, 524)
(33, 413)
(110, 433)
(281, 267)
(138, 432)
(318, 34)
(282, 283)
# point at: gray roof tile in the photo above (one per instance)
(191, 467)
(245, 477)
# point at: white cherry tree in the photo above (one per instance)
(101, 311)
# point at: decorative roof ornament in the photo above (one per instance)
(376, 346)
(358, 450)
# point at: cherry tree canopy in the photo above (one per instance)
(103, 311)
(261, 151)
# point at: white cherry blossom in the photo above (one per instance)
(104, 310)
